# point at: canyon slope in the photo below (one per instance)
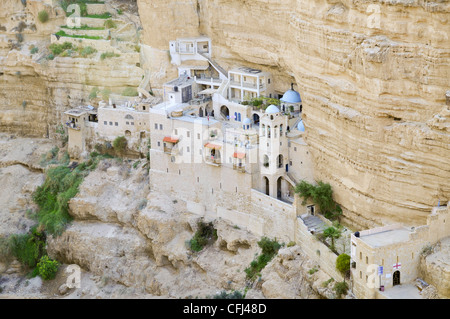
(373, 77)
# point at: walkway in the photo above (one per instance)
(314, 223)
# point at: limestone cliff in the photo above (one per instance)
(35, 90)
(372, 75)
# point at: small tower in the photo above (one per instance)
(273, 150)
(75, 127)
(291, 102)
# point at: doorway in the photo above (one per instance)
(396, 278)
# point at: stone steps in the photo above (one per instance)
(314, 223)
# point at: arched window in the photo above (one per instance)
(129, 117)
(275, 131)
(239, 117)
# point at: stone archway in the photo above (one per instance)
(225, 111)
(396, 278)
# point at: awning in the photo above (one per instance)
(170, 139)
(208, 91)
(214, 146)
(238, 155)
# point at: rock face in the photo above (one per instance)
(35, 91)
(372, 76)
(435, 268)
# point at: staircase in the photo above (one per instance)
(314, 223)
(215, 65)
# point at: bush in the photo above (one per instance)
(57, 49)
(205, 234)
(43, 16)
(34, 50)
(130, 92)
(269, 250)
(93, 93)
(343, 263)
(120, 144)
(85, 52)
(232, 295)
(28, 248)
(50, 57)
(47, 268)
(108, 55)
(340, 288)
(110, 24)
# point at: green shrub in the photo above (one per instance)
(43, 16)
(340, 288)
(47, 268)
(322, 195)
(313, 270)
(326, 283)
(28, 248)
(105, 55)
(120, 144)
(34, 50)
(130, 92)
(110, 24)
(343, 263)
(93, 93)
(57, 49)
(19, 37)
(105, 94)
(269, 250)
(205, 234)
(85, 52)
(232, 295)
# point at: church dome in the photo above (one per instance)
(271, 109)
(301, 126)
(291, 96)
(247, 121)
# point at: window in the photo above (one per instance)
(295, 149)
(105, 122)
(110, 123)
(132, 123)
(143, 107)
(176, 132)
(268, 81)
(188, 134)
(367, 259)
(117, 124)
(187, 149)
(360, 255)
(290, 163)
(156, 126)
(128, 123)
(159, 143)
(160, 126)
(198, 135)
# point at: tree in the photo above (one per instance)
(332, 233)
(120, 144)
(343, 264)
(43, 16)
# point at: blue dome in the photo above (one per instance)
(301, 126)
(247, 121)
(272, 109)
(291, 96)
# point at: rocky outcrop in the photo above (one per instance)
(435, 269)
(372, 76)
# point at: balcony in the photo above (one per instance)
(239, 167)
(73, 126)
(169, 144)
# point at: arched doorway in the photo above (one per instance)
(266, 185)
(225, 112)
(280, 161)
(256, 119)
(396, 278)
(127, 133)
(279, 187)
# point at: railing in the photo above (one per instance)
(213, 160)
